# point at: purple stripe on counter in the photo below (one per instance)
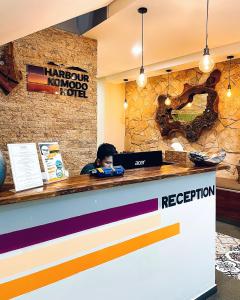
(42, 233)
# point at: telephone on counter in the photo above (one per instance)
(108, 172)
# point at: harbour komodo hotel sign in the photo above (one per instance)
(72, 81)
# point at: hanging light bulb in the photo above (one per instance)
(168, 100)
(206, 63)
(125, 104)
(229, 89)
(142, 77)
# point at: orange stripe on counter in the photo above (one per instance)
(60, 249)
(51, 275)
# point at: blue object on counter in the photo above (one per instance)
(2, 169)
(108, 172)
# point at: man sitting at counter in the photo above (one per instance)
(104, 158)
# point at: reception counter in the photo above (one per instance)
(147, 235)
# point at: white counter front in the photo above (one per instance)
(144, 241)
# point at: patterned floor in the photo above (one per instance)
(228, 255)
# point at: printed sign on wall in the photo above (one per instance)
(73, 81)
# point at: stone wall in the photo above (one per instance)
(39, 117)
(142, 131)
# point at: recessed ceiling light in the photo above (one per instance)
(136, 50)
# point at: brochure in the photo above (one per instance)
(52, 161)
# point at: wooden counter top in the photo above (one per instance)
(84, 183)
(228, 184)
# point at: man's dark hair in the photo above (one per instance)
(105, 150)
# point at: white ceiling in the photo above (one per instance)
(173, 29)
(19, 18)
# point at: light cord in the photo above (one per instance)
(207, 25)
(168, 83)
(142, 40)
(229, 71)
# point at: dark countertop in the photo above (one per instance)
(84, 183)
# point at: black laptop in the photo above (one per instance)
(134, 160)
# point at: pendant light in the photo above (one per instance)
(229, 90)
(125, 104)
(206, 63)
(168, 100)
(142, 78)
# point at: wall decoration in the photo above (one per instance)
(58, 80)
(192, 111)
(143, 132)
(9, 75)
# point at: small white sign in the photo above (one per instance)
(25, 166)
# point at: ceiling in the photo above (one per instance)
(173, 29)
(19, 18)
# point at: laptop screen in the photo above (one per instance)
(138, 159)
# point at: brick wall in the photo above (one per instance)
(142, 131)
(35, 117)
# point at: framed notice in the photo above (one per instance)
(25, 166)
(52, 161)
